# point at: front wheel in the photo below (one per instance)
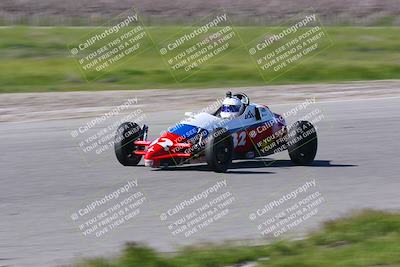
(127, 133)
(219, 149)
(302, 143)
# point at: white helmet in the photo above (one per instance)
(231, 108)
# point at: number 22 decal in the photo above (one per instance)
(239, 139)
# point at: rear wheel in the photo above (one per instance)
(126, 134)
(302, 143)
(219, 149)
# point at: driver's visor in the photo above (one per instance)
(230, 108)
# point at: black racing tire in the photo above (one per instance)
(302, 143)
(126, 134)
(219, 150)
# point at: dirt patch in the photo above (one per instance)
(93, 12)
(67, 105)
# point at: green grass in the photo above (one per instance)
(370, 238)
(37, 60)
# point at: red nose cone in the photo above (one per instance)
(160, 149)
(154, 151)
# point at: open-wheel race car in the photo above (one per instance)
(238, 129)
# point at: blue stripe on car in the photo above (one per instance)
(184, 130)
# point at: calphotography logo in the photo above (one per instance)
(196, 213)
(106, 213)
(97, 136)
(109, 46)
(289, 211)
(281, 49)
(209, 40)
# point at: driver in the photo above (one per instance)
(232, 107)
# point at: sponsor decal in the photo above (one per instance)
(249, 115)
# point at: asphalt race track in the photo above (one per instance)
(44, 179)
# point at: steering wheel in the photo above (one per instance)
(243, 97)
